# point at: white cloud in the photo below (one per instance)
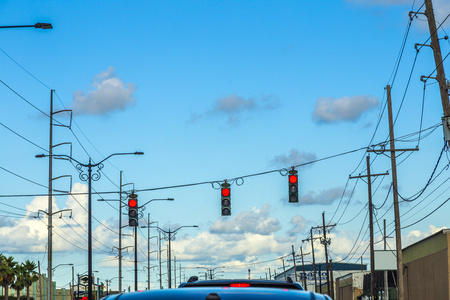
(248, 236)
(235, 107)
(293, 158)
(30, 234)
(208, 247)
(256, 221)
(324, 197)
(415, 235)
(107, 93)
(298, 225)
(330, 110)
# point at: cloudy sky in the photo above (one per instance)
(212, 91)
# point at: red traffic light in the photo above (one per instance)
(132, 202)
(225, 192)
(293, 178)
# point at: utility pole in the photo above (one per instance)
(314, 261)
(325, 242)
(49, 212)
(398, 236)
(372, 259)
(284, 268)
(312, 239)
(295, 265)
(175, 270)
(50, 202)
(332, 279)
(443, 84)
(303, 265)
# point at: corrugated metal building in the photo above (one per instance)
(427, 268)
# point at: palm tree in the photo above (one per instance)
(19, 282)
(30, 275)
(7, 272)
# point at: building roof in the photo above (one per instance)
(335, 265)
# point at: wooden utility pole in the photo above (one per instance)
(398, 237)
(443, 86)
(372, 260)
(398, 233)
(303, 265)
(314, 261)
(326, 242)
(284, 269)
(295, 265)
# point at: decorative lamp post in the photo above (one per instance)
(89, 177)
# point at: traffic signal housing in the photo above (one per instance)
(225, 193)
(133, 210)
(293, 186)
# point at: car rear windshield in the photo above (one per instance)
(243, 284)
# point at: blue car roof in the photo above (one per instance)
(220, 293)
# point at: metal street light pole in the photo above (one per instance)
(169, 233)
(121, 204)
(135, 237)
(148, 248)
(61, 265)
(89, 177)
(210, 271)
(135, 242)
(37, 25)
(49, 285)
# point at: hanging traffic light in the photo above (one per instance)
(293, 186)
(225, 193)
(133, 213)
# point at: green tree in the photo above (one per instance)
(30, 275)
(19, 282)
(7, 272)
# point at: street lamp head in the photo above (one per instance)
(138, 153)
(170, 199)
(43, 25)
(40, 155)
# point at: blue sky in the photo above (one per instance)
(213, 91)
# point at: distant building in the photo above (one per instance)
(350, 286)
(339, 270)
